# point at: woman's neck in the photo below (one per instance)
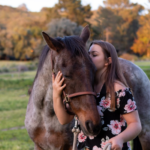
(99, 80)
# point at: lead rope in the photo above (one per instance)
(107, 146)
(75, 131)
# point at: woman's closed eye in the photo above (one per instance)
(67, 76)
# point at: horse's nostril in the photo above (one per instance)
(89, 126)
(93, 129)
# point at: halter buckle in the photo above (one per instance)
(67, 99)
(53, 71)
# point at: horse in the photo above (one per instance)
(140, 85)
(68, 55)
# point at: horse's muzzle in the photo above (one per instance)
(93, 129)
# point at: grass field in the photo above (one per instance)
(5, 63)
(13, 103)
(145, 65)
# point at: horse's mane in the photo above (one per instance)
(74, 44)
(42, 60)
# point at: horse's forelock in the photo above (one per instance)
(75, 45)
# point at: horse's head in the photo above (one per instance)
(70, 57)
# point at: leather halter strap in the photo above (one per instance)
(68, 96)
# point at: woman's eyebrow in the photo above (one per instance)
(92, 52)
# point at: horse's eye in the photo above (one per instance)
(67, 76)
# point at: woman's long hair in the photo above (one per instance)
(113, 71)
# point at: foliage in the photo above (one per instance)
(63, 27)
(70, 9)
(129, 57)
(118, 22)
(117, 3)
(142, 42)
(20, 33)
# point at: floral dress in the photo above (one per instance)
(112, 121)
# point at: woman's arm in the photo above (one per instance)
(134, 126)
(132, 130)
(62, 115)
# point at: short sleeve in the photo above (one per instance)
(126, 101)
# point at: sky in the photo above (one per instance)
(37, 5)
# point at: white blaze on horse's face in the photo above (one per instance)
(71, 58)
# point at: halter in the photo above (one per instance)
(67, 97)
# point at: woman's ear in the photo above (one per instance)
(109, 61)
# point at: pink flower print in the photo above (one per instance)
(96, 148)
(100, 111)
(122, 93)
(122, 121)
(130, 106)
(81, 137)
(118, 102)
(105, 103)
(115, 127)
(91, 137)
(128, 144)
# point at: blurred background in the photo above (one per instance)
(124, 23)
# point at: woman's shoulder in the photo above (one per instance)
(119, 88)
(122, 91)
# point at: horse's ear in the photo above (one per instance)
(52, 43)
(85, 34)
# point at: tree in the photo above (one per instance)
(63, 27)
(70, 9)
(50, 13)
(142, 42)
(119, 23)
(117, 3)
(25, 42)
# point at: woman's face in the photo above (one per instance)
(97, 56)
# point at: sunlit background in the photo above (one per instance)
(125, 24)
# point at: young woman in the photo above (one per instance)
(115, 102)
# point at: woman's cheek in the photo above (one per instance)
(95, 63)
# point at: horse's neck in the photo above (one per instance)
(42, 84)
(40, 108)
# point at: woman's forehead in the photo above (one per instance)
(95, 48)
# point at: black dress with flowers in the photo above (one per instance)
(112, 121)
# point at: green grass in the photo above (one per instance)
(6, 63)
(15, 118)
(18, 75)
(15, 140)
(145, 66)
(13, 103)
(17, 66)
(142, 63)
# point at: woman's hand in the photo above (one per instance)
(58, 84)
(60, 111)
(116, 143)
